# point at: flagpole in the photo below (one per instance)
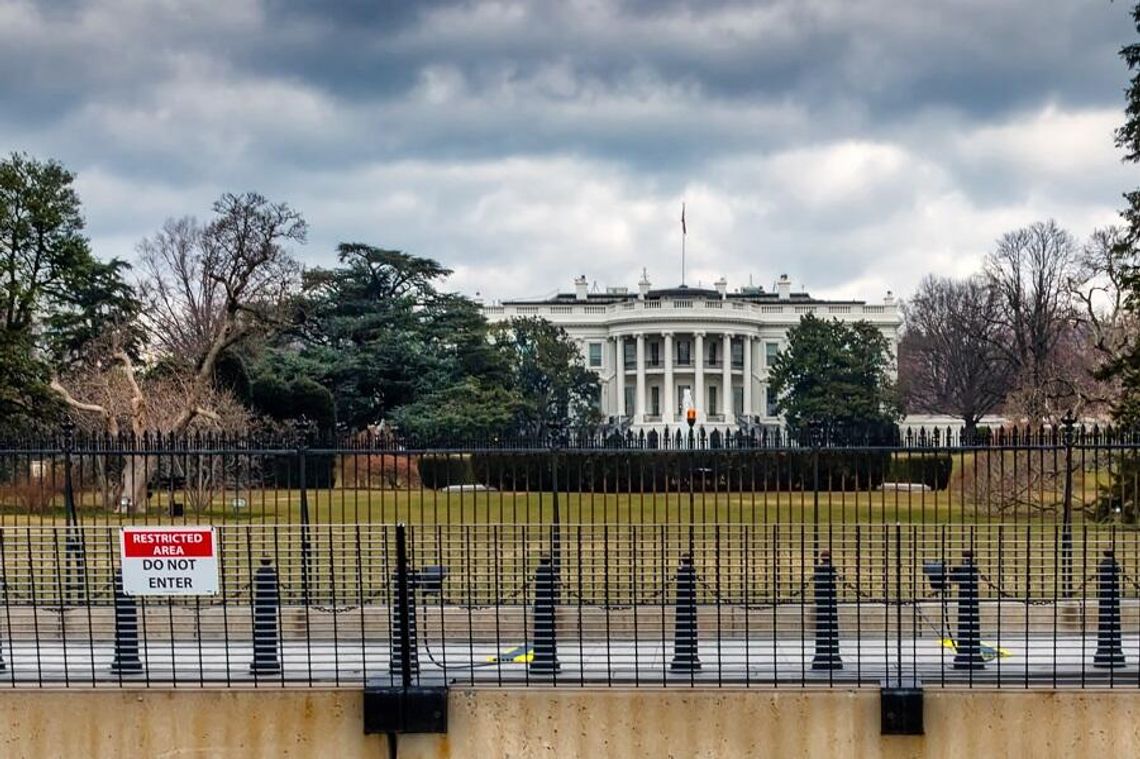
(683, 235)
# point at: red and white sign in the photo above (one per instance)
(169, 561)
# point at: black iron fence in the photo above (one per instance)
(654, 605)
(1066, 474)
(1008, 559)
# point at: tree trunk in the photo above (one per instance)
(137, 471)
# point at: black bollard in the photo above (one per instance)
(266, 611)
(1109, 650)
(826, 616)
(545, 659)
(685, 654)
(968, 643)
(126, 660)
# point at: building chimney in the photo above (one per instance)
(581, 288)
(643, 285)
(784, 287)
(721, 286)
(889, 300)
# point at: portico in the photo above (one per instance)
(653, 374)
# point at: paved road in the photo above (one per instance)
(738, 662)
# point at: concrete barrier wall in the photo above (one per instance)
(486, 724)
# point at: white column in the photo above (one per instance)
(699, 375)
(726, 377)
(619, 369)
(748, 375)
(639, 400)
(669, 403)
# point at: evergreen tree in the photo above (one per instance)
(54, 295)
(835, 375)
(1127, 366)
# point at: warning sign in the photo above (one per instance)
(169, 561)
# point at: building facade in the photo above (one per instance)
(650, 347)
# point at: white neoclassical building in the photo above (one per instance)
(651, 346)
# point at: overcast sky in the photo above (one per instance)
(853, 144)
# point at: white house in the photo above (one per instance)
(650, 346)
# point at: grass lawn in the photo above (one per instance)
(348, 506)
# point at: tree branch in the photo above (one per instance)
(78, 405)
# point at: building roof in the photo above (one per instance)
(750, 294)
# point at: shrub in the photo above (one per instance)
(1119, 497)
(31, 495)
(438, 470)
(378, 471)
(932, 470)
(671, 471)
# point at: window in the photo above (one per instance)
(683, 356)
(771, 402)
(595, 350)
(771, 350)
(655, 353)
(712, 400)
(738, 400)
(629, 348)
(712, 353)
(655, 400)
(737, 354)
(630, 408)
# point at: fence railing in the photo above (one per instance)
(1068, 476)
(993, 605)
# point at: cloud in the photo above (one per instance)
(855, 146)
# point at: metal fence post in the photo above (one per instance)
(306, 547)
(404, 653)
(1109, 649)
(691, 416)
(968, 642)
(266, 608)
(1067, 437)
(556, 429)
(685, 647)
(74, 541)
(815, 434)
(126, 661)
(545, 659)
(826, 616)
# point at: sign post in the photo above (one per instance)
(169, 561)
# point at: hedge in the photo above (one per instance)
(439, 470)
(660, 471)
(932, 470)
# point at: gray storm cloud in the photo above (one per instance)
(855, 145)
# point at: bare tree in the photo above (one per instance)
(204, 289)
(1099, 290)
(948, 359)
(1030, 272)
(107, 397)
